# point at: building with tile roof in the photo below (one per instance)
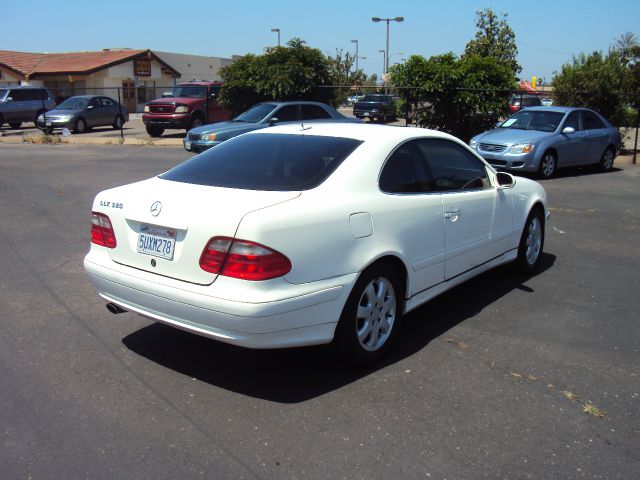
(133, 76)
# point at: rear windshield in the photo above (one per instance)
(276, 162)
(375, 98)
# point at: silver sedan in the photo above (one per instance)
(543, 139)
(83, 112)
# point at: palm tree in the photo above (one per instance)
(624, 43)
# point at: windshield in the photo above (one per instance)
(190, 91)
(256, 113)
(275, 162)
(73, 103)
(540, 120)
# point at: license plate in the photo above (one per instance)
(157, 241)
(187, 144)
(366, 114)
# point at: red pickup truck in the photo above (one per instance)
(190, 105)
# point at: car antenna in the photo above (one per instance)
(303, 128)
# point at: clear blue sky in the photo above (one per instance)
(547, 32)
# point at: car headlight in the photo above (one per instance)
(473, 143)
(211, 137)
(521, 148)
(147, 109)
(182, 109)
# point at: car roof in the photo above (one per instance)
(290, 102)
(357, 131)
(556, 109)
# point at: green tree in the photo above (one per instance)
(343, 78)
(291, 72)
(597, 81)
(461, 96)
(495, 39)
(625, 44)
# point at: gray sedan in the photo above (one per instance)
(542, 139)
(259, 116)
(83, 112)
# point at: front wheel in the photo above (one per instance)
(81, 126)
(371, 317)
(606, 162)
(548, 165)
(531, 243)
(195, 123)
(154, 131)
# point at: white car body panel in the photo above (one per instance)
(330, 234)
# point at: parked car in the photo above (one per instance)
(375, 107)
(23, 104)
(83, 112)
(524, 100)
(190, 105)
(259, 116)
(291, 236)
(542, 139)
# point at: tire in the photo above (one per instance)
(15, 124)
(195, 123)
(48, 130)
(548, 165)
(81, 126)
(118, 122)
(371, 317)
(531, 243)
(606, 161)
(154, 131)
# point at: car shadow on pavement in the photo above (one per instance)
(299, 374)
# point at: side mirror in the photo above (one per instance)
(9, 99)
(273, 121)
(569, 130)
(505, 180)
(90, 107)
(213, 95)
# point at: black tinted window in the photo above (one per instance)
(573, 121)
(288, 113)
(29, 94)
(266, 162)
(453, 167)
(404, 172)
(16, 95)
(311, 112)
(107, 102)
(591, 121)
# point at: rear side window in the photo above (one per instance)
(276, 162)
(312, 112)
(452, 166)
(591, 121)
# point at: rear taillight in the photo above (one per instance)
(243, 259)
(102, 231)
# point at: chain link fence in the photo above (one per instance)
(131, 100)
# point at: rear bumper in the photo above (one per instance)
(296, 315)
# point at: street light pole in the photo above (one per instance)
(356, 42)
(278, 31)
(384, 61)
(378, 19)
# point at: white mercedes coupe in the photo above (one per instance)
(306, 234)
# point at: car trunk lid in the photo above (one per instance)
(163, 226)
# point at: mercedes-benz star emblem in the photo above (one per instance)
(156, 207)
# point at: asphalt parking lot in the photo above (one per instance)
(504, 377)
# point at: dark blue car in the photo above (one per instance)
(259, 116)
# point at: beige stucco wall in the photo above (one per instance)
(7, 78)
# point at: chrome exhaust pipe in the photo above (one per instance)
(115, 309)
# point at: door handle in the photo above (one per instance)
(452, 213)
